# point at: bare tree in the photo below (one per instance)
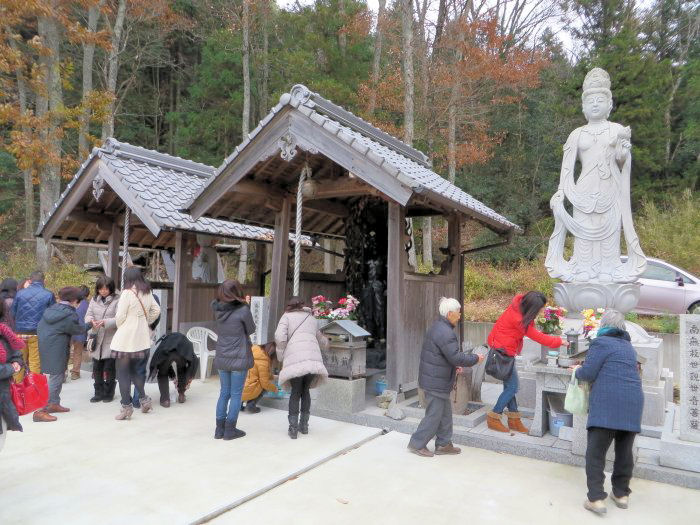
(48, 105)
(376, 63)
(22, 93)
(409, 92)
(342, 35)
(113, 67)
(245, 127)
(88, 61)
(266, 59)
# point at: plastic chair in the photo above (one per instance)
(199, 337)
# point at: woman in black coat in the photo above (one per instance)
(234, 355)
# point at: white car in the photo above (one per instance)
(668, 289)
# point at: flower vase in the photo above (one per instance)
(322, 323)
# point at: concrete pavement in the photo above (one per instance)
(159, 468)
(382, 483)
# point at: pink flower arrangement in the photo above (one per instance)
(550, 321)
(323, 308)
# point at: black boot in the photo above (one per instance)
(164, 388)
(304, 423)
(252, 407)
(293, 426)
(219, 432)
(110, 386)
(231, 432)
(99, 392)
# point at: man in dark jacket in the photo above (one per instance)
(27, 309)
(439, 360)
(58, 324)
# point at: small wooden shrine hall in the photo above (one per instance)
(131, 196)
(310, 166)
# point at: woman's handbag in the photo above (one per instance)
(499, 364)
(31, 394)
(576, 401)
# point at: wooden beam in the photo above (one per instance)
(112, 269)
(102, 221)
(83, 185)
(394, 297)
(183, 273)
(278, 279)
(327, 207)
(329, 189)
(249, 187)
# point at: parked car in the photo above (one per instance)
(668, 289)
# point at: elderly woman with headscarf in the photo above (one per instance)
(615, 410)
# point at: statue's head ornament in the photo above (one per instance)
(597, 81)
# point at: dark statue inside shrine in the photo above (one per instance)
(365, 271)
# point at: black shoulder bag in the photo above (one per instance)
(499, 364)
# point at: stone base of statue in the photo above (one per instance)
(657, 381)
(580, 296)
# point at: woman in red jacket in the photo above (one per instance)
(514, 324)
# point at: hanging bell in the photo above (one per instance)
(309, 189)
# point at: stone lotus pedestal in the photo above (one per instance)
(580, 296)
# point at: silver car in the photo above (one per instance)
(668, 289)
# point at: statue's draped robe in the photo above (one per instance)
(601, 207)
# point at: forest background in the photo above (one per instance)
(489, 89)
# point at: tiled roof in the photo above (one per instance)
(163, 184)
(398, 159)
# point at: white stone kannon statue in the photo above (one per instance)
(599, 196)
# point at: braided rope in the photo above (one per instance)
(125, 254)
(305, 172)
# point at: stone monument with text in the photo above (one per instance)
(680, 442)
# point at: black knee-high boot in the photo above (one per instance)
(164, 388)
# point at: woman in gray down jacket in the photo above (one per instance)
(234, 355)
(299, 343)
(102, 312)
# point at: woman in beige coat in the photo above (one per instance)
(299, 344)
(102, 312)
(131, 343)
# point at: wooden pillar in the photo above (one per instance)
(112, 269)
(328, 259)
(183, 275)
(278, 278)
(395, 361)
(259, 267)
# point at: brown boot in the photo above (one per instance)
(56, 408)
(421, 452)
(493, 421)
(447, 449)
(42, 416)
(515, 424)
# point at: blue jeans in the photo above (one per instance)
(229, 404)
(507, 397)
(141, 370)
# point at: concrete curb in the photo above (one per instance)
(240, 501)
